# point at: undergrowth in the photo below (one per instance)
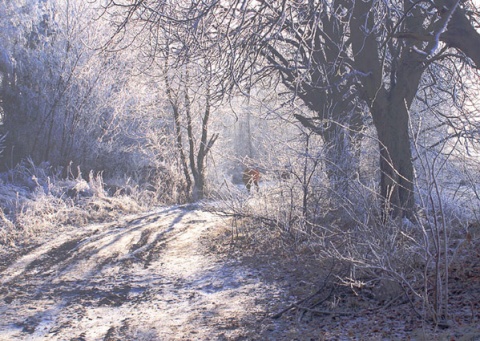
(35, 200)
(391, 261)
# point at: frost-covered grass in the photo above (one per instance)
(35, 201)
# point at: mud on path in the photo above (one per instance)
(146, 277)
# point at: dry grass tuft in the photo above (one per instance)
(34, 201)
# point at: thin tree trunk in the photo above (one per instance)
(178, 129)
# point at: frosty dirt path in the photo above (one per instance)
(171, 274)
(147, 277)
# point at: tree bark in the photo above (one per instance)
(396, 178)
(461, 34)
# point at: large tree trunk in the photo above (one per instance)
(341, 140)
(342, 145)
(396, 182)
(389, 105)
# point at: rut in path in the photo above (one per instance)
(147, 277)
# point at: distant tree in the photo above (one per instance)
(183, 66)
(51, 89)
(191, 106)
(63, 101)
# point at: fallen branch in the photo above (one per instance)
(324, 312)
(297, 304)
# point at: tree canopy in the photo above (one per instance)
(341, 58)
